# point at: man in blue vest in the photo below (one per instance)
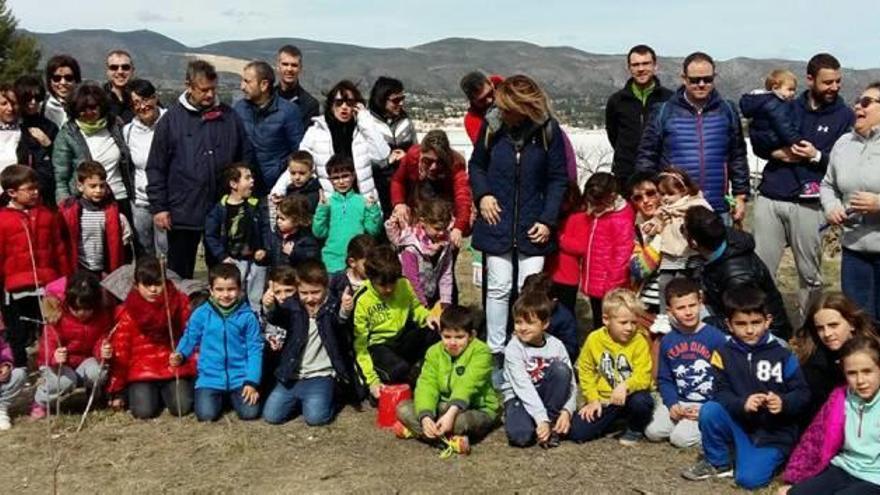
(787, 210)
(700, 132)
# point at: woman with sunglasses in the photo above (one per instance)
(386, 105)
(93, 134)
(518, 178)
(62, 77)
(32, 133)
(850, 195)
(434, 169)
(347, 129)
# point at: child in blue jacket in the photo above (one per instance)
(760, 393)
(227, 333)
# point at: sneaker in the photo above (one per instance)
(401, 431)
(703, 470)
(460, 444)
(5, 423)
(630, 438)
(38, 411)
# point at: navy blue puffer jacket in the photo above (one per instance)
(773, 124)
(528, 179)
(707, 144)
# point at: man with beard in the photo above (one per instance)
(787, 211)
(289, 65)
(627, 110)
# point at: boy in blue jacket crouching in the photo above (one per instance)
(230, 343)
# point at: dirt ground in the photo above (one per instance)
(117, 454)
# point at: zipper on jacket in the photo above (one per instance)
(702, 182)
(861, 413)
(516, 197)
(225, 354)
(585, 272)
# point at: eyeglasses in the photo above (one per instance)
(865, 101)
(351, 102)
(57, 78)
(707, 80)
(649, 194)
(397, 100)
(122, 67)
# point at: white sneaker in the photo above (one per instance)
(5, 424)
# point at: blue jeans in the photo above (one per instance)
(313, 397)
(554, 391)
(638, 411)
(209, 404)
(754, 465)
(860, 280)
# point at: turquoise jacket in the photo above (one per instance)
(339, 220)
(860, 455)
(230, 348)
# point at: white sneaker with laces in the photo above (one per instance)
(5, 423)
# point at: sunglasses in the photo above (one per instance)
(701, 79)
(638, 198)
(122, 67)
(397, 100)
(338, 102)
(57, 78)
(865, 101)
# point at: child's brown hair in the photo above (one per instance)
(599, 188)
(674, 180)
(232, 173)
(303, 157)
(383, 267)
(533, 305)
(296, 209)
(434, 211)
(312, 272)
(359, 246)
(88, 169)
(282, 274)
(15, 176)
(224, 271)
(459, 318)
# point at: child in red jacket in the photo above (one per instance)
(96, 230)
(142, 344)
(71, 351)
(564, 266)
(602, 238)
(32, 254)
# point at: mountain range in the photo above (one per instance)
(431, 69)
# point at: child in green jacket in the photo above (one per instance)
(344, 215)
(392, 330)
(454, 395)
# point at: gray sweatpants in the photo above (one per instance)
(253, 281)
(53, 385)
(10, 389)
(474, 424)
(683, 433)
(778, 224)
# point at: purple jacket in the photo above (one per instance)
(426, 264)
(821, 442)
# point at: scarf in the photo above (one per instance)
(9, 126)
(150, 316)
(224, 311)
(341, 134)
(93, 128)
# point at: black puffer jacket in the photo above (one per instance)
(823, 374)
(625, 119)
(739, 265)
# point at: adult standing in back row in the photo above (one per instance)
(700, 132)
(195, 139)
(289, 63)
(627, 110)
(787, 211)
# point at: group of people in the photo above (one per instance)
(331, 235)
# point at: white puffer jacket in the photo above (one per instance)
(367, 145)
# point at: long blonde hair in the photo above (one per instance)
(521, 94)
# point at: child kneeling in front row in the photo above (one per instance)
(312, 360)
(760, 394)
(454, 398)
(392, 330)
(615, 372)
(684, 374)
(227, 333)
(539, 386)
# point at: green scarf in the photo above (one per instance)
(224, 312)
(642, 94)
(92, 129)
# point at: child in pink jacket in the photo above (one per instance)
(602, 237)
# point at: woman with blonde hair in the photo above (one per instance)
(831, 322)
(518, 179)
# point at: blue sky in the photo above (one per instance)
(725, 29)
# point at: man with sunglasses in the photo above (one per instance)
(120, 70)
(627, 110)
(787, 209)
(700, 132)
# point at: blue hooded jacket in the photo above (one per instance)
(741, 370)
(773, 123)
(528, 178)
(230, 348)
(707, 144)
(274, 132)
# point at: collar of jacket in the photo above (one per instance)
(139, 124)
(252, 201)
(643, 94)
(212, 113)
(766, 340)
(224, 313)
(717, 253)
(681, 99)
(270, 106)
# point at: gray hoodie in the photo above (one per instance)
(854, 165)
(522, 370)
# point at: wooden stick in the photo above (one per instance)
(104, 367)
(170, 331)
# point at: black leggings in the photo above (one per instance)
(396, 361)
(145, 399)
(20, 333)
(834, 480)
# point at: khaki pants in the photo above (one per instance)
(474, 424)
